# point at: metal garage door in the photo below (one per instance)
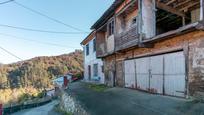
(174, 73)
(156, 74)
(130, 81)
(162, 74)
(142, 73)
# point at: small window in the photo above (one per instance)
(87, 49)
(89, 71)
(95, 69)
(102, 69)
(94, 45)
(134, 20)
(111, 28)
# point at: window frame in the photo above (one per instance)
(111, 27)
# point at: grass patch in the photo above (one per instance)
(98, 88)
(59, 110)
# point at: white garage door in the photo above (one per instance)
(156, 74)
(174, 73)
(142, 73)
(130, 74)
(162, 74)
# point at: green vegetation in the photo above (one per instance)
(39, 71)
(98, 88)
(59, 110)
(36, 73)
(19, 95)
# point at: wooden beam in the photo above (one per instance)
(170, 9)
(191, 5)
(161, 19)
(181, 3)
(170, 2)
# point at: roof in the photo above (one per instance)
(88, 38)
(107, 14)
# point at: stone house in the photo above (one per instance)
(153, 45)
(92, 65)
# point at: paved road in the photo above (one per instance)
(121, 101)
(43, 110)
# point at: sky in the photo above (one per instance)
(81, 14)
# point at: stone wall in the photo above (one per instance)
(70, 105)
(193, 45)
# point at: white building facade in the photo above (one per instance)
(93, 67)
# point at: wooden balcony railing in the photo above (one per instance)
(127, 38)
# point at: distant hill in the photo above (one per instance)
(39, 71)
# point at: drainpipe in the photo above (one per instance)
(114, 76)
(201, 9)
(114, 83)
(140, 21)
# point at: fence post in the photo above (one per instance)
(1, 109)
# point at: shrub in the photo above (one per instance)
(98, 88)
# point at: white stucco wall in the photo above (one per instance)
(91, 60)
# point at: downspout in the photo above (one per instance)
(114, 79)
(201, 10)
(140, 22)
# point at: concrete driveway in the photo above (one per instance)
(43, 110)
(121, 101)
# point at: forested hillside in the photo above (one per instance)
(38, 72)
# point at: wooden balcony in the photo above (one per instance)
(101, 50)
(127, 39)
(101, 46)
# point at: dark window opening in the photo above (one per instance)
(167, 20)
(89, 72)
(111, 28)
(134, 20)
(102, 69)
(94, 45)
(87, 49)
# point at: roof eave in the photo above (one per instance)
(107, 14)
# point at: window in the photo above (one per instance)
(87, 49)
(111, 28)
(134, 21)
(94, 45)
(95, 69)
(102, 69)
(89, 72)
